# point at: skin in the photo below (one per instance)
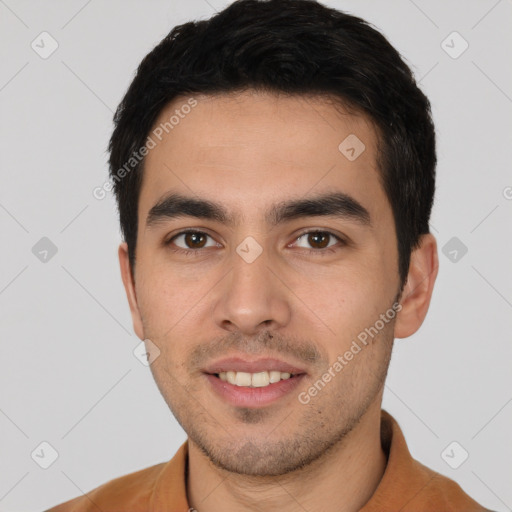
(248, 151)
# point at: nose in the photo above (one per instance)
(251, 298)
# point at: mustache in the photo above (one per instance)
(263, 343)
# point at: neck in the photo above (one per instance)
(347, 474)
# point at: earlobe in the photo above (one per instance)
(129, 286)
(418, 290)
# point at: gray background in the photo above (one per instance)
(68, 375)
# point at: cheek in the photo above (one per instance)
(163, 297)
(173, 312)
(345, 294)
(348, 304)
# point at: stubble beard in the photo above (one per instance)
(318, 432)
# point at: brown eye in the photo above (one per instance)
(195, 240)
(317, 240)
(192, 240)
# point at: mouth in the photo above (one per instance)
(254, 384)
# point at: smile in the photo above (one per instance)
(238, 388)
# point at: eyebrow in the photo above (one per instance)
(337, 204)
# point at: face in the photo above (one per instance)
(268, 279)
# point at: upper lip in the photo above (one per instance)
(237, 364)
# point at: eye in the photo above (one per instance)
(318, 240)
(190, 241)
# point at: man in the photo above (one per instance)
(274, 169)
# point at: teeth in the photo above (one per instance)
(260, 380)
(242, 379)
(275, 376)
(255, 380)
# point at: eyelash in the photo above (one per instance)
(197, 252)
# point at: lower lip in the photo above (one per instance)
(241, 396)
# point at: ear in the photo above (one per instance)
(418, 289)
(129, 287)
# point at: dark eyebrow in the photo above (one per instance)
(337, 204)
(177, 205)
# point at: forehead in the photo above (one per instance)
(251, 149)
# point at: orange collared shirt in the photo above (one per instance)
(406, 486)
